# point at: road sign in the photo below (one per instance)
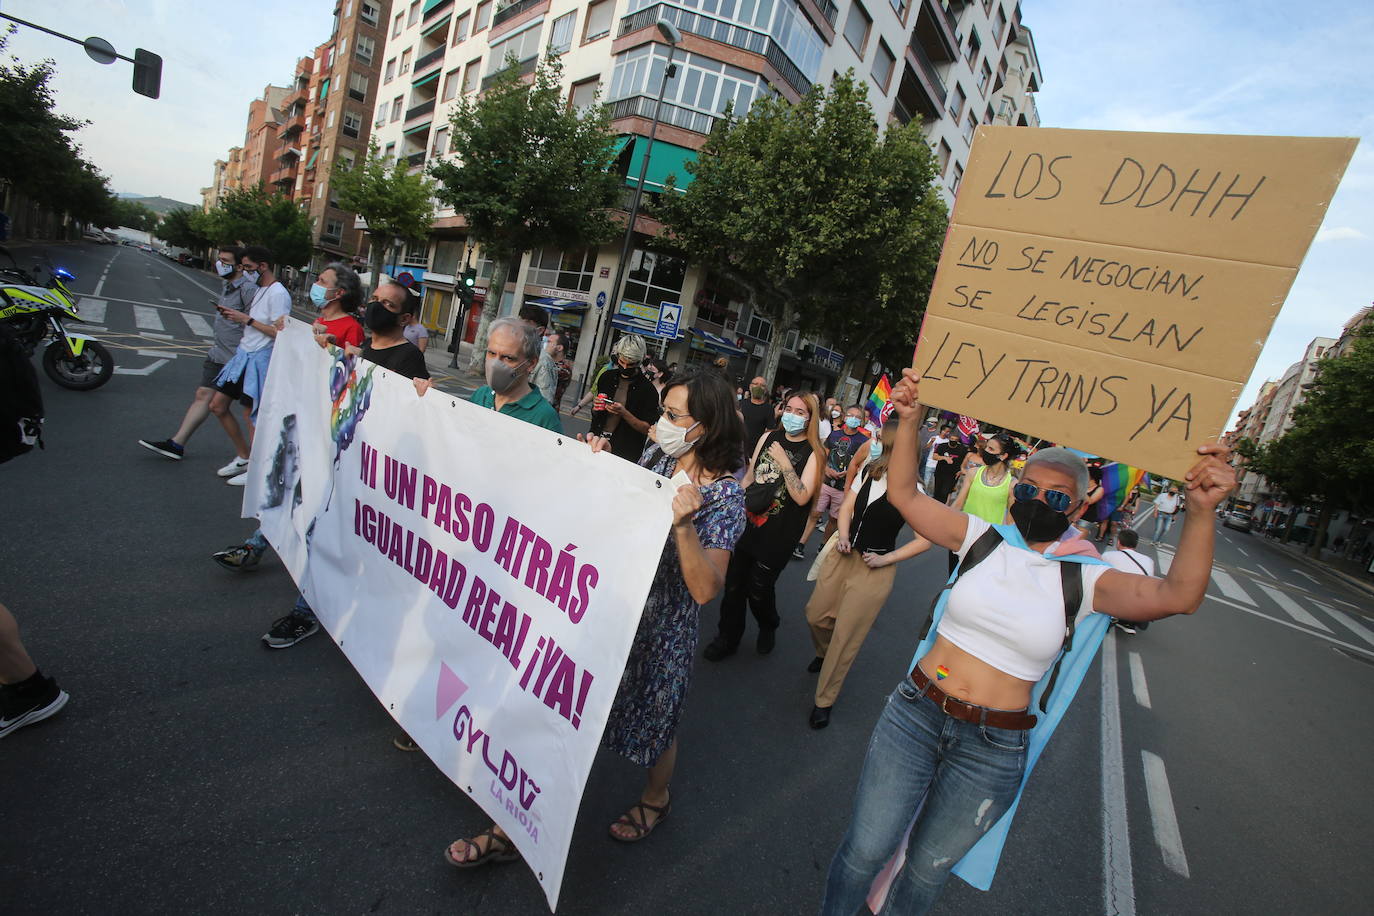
(669, 319)
(601, 300)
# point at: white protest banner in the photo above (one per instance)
(492, 621)
(1111, 291)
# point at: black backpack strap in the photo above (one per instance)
(1071, 580)
(977, 552)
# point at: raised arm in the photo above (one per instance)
(932, 520)
(1138, 598)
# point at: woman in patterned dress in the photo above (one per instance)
(700, 435)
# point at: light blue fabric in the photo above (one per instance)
(979, 866)
(249, 368)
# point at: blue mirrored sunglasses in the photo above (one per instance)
(1055, 499)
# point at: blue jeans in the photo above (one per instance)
(968, 775)
(1163, 523)
(257, 541)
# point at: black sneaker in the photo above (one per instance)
(766, 640)
(799, 552)
(816, 664)
(289, 630)
(718, 649)
(166, 448)
(31, 701)
(238, 558)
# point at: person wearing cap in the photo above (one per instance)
(959, 735)
(626, 403)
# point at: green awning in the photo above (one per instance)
(433, 77)
(313, 157)
(665, 159)
(418, 127)
(431, 4)
(435, 25)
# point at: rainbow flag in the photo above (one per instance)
(878, 406)
(1118, 480)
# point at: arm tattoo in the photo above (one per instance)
(794, 484)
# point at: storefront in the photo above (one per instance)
(564, 315)
(705, 347)
(635, 318)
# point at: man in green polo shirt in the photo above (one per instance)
(512, 351)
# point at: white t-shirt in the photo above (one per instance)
(934, 444)
(269, 305)
(1008, 611)
(1121, 559)
(825, 430)
(1166, 503)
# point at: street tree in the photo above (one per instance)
(186, 227)
(530, 172)
(1324, 457)
(828, 224)
(394, 204)
(131, 214)
(251, 216)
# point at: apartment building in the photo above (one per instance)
(952, 65)
(259, 137)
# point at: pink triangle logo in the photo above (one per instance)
(450, 690)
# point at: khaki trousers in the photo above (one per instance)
(841, 611)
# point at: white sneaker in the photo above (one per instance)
(233, 468)
(240, 480)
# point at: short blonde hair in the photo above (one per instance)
(630, 347)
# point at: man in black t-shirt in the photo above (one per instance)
(760, 414)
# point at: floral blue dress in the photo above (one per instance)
(648, 706)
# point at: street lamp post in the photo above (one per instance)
(672, 35)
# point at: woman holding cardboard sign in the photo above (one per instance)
(996, 670)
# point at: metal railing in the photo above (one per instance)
(524, 68)
(923, 61)
(415, 159)
(420, 110)
(435, 10)
(642, 106)
(432, 57)
(828, 10)
(513, 10)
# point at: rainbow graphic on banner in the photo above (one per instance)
(878, 404)
(1118, 480)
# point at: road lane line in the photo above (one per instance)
(1312, 579)
(198, 325)
(1344, 620)
(101, 285)
(1162, 815)
(146, 370)
(1243, 551)
(92, 310)
(1118, 885)
(1138, 685)
(1292, 626)
(1348, 603)
(1163, 559)
(156, 354)
(1229, 586)
(147, 317)
(1267, 572)
(1294, 610)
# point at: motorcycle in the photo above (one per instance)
(36, 312)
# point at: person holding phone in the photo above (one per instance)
(626, 402)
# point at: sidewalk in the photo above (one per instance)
(1352, 573)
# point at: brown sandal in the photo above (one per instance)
(505, 853)
(637, 820)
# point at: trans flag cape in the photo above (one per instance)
(979, 865)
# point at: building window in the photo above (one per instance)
(654, 277)
(460, 28)
(984, 76)
(583, 94)
(352, 125)
(987, 115)
(333, 230)
(390, 73)
(899, 7)
(523, 46)
(347, 158)
(357, 87)
(856, 28)
(599, 18)
(759, 328)
(560, 38)
(790, 340)
(440, 142)
(713, 301)
(974, 45)
(330, 122)
(702, 85)
(370, 12)
(405, 60)
(958, 177)
(452, 80)
(957, 101)
(398, 24)
(390, 154)
(414, 14)
(381, 115)
(1001, 26)
(470, 76)
(447, 254)
(883, 63)
(556, 269)
(970, 125)
(482, 18)
(396, 108)
(942, 154)
(365, 49)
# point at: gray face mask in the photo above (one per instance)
(503, 378)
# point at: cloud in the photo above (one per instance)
(1337, 233)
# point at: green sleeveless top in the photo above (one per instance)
(988, 502)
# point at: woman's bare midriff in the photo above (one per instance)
(974, 681)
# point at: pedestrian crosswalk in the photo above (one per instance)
(116, 317)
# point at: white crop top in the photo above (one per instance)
(1008, 611)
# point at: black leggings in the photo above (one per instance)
(749, 581)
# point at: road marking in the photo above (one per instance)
(198, 325)
(155, 354)
(101, 284)
(1138, 685)
(1348, 603)
(1162, 815)
(172, 300)
(1267, 572)
(146, 370)
(147, 318)
(1292, 626)
(1243, 551)
(92, 310)
(159, 336)
(1294, 610)
(1229, 586)
(1344, 620)
(1163, 558)
(1313, 579)
(1118, 885)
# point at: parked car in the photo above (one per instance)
(95, 235)
(1237, 519)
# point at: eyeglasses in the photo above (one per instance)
(674, 417)
(1055, 499)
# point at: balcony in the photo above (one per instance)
(292, 125)
(506, 13)
(828, 10)
(642, 106)
(415, 159)
(921, 91)
(285, 175)
(433, 12)
(524, 68)
(419, 112)
(937, 32)
(427, 62)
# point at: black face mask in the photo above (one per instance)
(381, 319)
(628, 373)
(1038, 522)
(989, 457)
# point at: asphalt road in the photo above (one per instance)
(194, 771)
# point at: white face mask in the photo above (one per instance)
(223, 269)
(673, 438)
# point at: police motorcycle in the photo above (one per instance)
(36, 312)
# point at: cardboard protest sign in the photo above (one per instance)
(1111, 291)
(491, 622)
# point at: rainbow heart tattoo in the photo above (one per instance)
(941, 672)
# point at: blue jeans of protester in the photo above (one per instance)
(968, 775)
(258, 541)
(1163, 522)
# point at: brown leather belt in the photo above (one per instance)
(955, 708)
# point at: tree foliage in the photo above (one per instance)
(185, 227)
(530, 173)
(245, 216)
(395, 204)
(132, 215)
(828, 225)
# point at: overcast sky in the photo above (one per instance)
(1208, 66)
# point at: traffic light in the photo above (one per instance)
(147, 73)
(470, 277)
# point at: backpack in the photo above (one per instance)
(21, 400)
(1070, 577)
